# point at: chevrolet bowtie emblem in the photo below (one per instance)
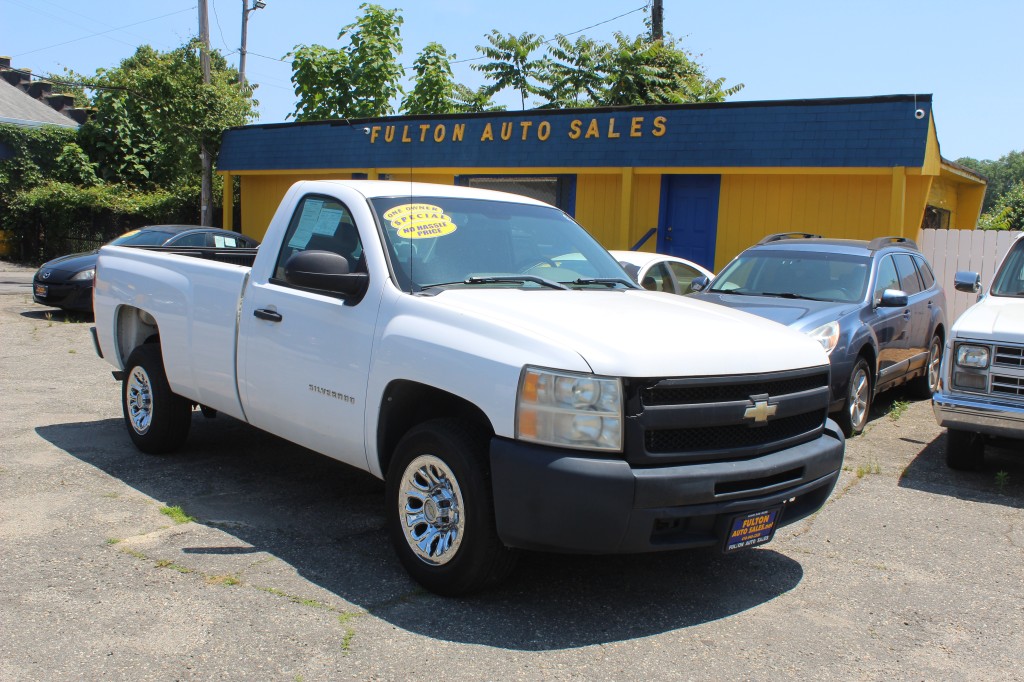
(760, 411)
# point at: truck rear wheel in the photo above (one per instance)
(441, 509)
(158, 419)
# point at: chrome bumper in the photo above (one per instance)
(981, 414)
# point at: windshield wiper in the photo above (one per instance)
(498, 279)
(790, 294)
(606, 281)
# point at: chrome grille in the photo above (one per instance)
(1009, 356)
(1007, 385)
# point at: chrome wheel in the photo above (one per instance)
(859, 397)
(139, 400)
(431, 509)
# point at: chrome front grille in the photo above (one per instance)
(1009, 356)
(709, 419)
(1007, 385)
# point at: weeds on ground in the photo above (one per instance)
(898, 408)
(177, 514)
(1002, 480)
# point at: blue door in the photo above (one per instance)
(688, 220)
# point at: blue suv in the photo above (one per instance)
(873, 305)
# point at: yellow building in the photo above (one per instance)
(700, 181)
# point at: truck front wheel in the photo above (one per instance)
(965, 450)
(158, 419)
(441, 509)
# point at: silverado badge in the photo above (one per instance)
(760, 411)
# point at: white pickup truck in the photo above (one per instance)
(489, 360)
(982, 389)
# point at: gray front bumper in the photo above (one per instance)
(981, 414)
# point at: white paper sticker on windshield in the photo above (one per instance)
(420, 221)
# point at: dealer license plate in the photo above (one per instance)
(41, 290)
(750, 530)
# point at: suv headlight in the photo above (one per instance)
(827, 335)
(968, 355)
(570, 410)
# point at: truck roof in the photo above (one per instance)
(396, 188)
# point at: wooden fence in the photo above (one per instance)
(951, 250)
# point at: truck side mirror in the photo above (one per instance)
(967, 282)
(699, 283)
(893, 298)
(325, 271)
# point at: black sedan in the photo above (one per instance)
(66, 282)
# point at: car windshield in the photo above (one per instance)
(434, 241)
(143, 238)
(1009, 280)
(810, 275)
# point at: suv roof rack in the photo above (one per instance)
(879, 242)
(787, 235)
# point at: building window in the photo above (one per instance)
(557, 190)
(935, 218)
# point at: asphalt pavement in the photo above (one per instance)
(244, 557)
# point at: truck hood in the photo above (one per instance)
(643, 333)
(994, 318)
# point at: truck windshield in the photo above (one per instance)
(1009, 280)
(443, 240)
(811, 275)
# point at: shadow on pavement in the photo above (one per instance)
(1000, 479)
(58, 315)
(326, 520)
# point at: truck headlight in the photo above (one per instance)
(570, 410)
(827, 335)
(968, 355)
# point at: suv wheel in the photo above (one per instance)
(854, 415)
(925, 385)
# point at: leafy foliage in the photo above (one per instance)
(356, 81)
(641, 71)
(510, 65)
(1002, 175)
(154, 111)
(470, 101)
(434, 92)
(573, 73)
(1008, 211)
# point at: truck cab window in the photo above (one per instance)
(321, 224)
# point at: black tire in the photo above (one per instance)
(965, 450)
(856, 407)
(924, 386)
(441, 509)
(157, 419)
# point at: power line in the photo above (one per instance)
(100, 33)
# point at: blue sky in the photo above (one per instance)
(965, 54)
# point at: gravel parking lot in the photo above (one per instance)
(911, 571)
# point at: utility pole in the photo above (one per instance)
(657, 21)
(206, 193)
(257, 4)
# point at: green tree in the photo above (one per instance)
(510, 65)
(1008, 211)
(434, 91)
(470, 101)
(641, 71)
(1002, 175)
(572, 75)
(356, 81)
(153, 112)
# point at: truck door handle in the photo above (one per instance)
(268, 315)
